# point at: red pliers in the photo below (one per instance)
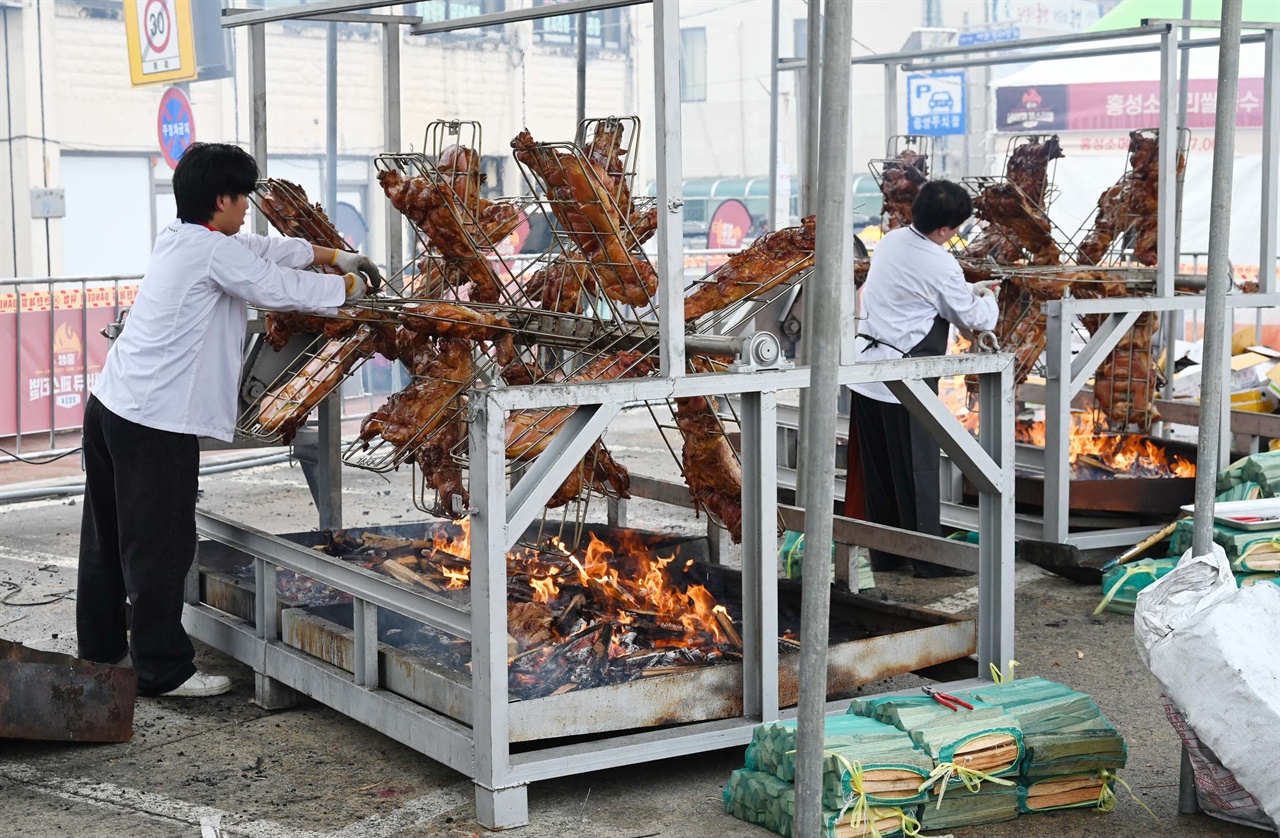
(951, 702)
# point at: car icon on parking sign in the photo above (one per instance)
(941, 101)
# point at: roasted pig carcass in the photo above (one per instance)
(900, 182)
(282, 325)
(1125, 384)
(770, 261)
(285, 206)
(1022, 222)
(438, 463)
(598, 472)
(453, 320)
(578, 193)
(1129, 208)
(1028, 167)
(415, 413)
(711, 470)
(435, 209)
(992, 244)
(285, 408)
(560, 285)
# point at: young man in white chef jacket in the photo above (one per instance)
(172, 376)
(915, 291)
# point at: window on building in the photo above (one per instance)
(604, 28)
(693, 64)
(434, 10)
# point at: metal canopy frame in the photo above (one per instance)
(1054, 525)
(483, 751)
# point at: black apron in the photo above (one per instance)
(926, 456)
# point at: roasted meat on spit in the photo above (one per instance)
(900, 182)
(1028, 167)
(436, 210)
(285, 408)
(711, 470)
(1129, 207)
(559, 286)
(578, 192)
(417, 411)
(1125, 383)
(437, 461)
(770, 261)
(1024, 223)
(287, 214)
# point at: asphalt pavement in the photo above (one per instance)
(310, 771)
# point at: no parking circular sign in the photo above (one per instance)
(175, 126)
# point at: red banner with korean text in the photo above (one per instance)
(1136, 104)
(51, 352)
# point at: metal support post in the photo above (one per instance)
(258, 109)
(391, 144)
(775, 12)
(364, 626)
(670, 267)
(1057, 425)
(890, 102)
(268, 693)
(498, 805)
(812, 121)
(834, 266)
(1267, 282)
(760, 556)
(1212, 390)
(1166, 224)
(329, 469)
(582, 67)
(995, 527)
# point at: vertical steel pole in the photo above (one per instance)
(330, 439)
(808, 200)
(258, 108)
(497, 806)
(890, 103)
(834, 261)
(759, 556)
(1270, 164)
(1166, 245)
(582, 67)
(775, 35)
(995, 524)
(1212, 392)
(391, 143)
(53, 368)
(670, 267)
(1173, 320)
(1057, 424)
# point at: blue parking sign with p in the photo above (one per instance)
(936, 104)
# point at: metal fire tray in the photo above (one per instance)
(889, 639)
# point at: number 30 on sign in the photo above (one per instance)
(160, 40)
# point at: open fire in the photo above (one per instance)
(575, 618)
(1093, 450)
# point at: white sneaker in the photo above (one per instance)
(200, 685)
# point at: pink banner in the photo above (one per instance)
(1123, 106)
(52, 354)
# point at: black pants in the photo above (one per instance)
(137, 540)
(900, 465)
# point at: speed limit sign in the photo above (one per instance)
(160, 40)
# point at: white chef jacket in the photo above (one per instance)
(911, 281)
(176, 365)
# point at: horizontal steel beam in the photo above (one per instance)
(710, 384)
(446, 615)
(1204, 24)
(299, 11)
(568, 7)
(1003, 46)
(930, 548)
(343, 17)
(1120, 49)
(410, 724)
(1116, 305)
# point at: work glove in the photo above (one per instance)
(349, 262)
(987, 288)
(356, 288)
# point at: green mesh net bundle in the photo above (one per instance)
(861, 756)
(1249, 551)
(1092, 789)
(760, 798)
(1122, 583)
(967, 746)
(991, 803)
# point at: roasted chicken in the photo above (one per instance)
(770, 261)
